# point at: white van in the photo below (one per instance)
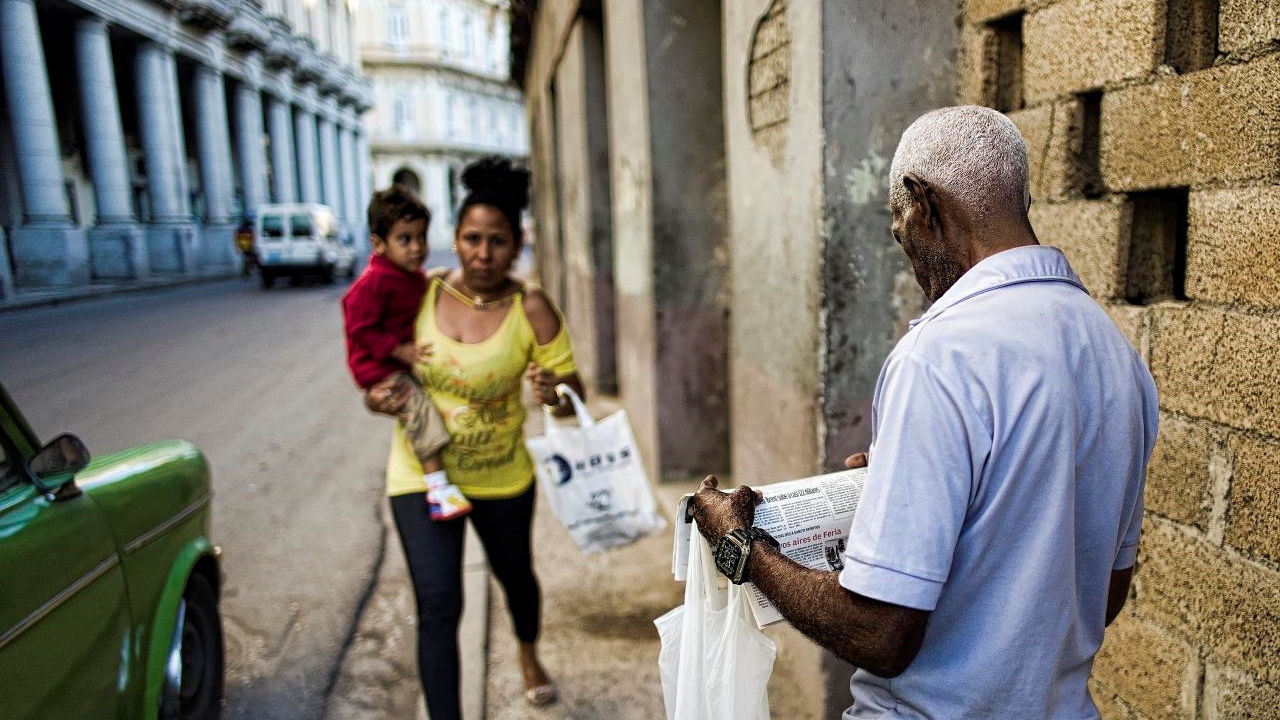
(296, 239)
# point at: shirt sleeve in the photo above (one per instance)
(929, 446)
(556, 355)
(362, 313)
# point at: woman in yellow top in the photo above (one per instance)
(488, 330)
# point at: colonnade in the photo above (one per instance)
(180, 218)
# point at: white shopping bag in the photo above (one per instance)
(592, 477)
(714, 662)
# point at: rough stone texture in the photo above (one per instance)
(1079, 45)
(1232, 695)
(1147, 666)
(1095, 237)
(1218, 365)
(1132, 321)
(1178, 483)
(1253, 525)
(1216, 125)
(1242, 23)
(1220, 600)
(1110, 706)
(976, 64)
(769, 80)
(981, 11)
(1233, 246)
(1054, 133)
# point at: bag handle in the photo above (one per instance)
(579, 408)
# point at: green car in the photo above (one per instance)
(108, 581)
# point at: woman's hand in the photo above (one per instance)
(388, 397)
(411, 354)
(544, 384)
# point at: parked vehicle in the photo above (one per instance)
(110, 581)
(297, 239)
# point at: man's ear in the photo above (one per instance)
(923, 197)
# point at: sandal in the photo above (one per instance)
(542, 695)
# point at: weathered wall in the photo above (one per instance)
(586, 241)
(1122, 141)
(773, 138)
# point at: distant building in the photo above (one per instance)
(137, 134)
(442, 95)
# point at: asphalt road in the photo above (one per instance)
(258, 381)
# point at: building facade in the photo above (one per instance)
(137, 134)
(710, 185)
(443, 96)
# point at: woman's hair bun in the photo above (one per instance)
(495, 180)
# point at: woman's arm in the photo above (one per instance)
(545, 321)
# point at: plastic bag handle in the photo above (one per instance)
(579, 408)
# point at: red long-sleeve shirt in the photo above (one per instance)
(378, 312)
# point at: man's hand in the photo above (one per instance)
(857, 460)
(388, 397)
(718, 513)
(411, 354)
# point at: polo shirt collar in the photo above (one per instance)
(1028, 263)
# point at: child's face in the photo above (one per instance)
(405, 244)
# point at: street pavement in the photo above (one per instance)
(258, 381)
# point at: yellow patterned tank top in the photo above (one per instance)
(477, 389)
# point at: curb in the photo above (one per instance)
(62, 295)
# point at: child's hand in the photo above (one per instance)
(411, 354)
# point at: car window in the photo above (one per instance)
(272, 226)
(10, 474)
(300, 225)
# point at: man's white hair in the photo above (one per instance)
(972, 154)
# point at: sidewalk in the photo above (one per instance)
(58, 295)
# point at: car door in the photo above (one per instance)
(63, 604)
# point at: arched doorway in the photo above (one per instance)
(408, 178)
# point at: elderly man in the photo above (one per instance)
(1011, 429)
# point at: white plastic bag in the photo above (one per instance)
(714, 662)
(592, 477)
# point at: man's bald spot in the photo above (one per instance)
(972, 155)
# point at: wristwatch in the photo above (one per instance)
(734, 550)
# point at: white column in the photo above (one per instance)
(171, 234)
(103, 132)
(159, 118)
(117, 246)
(332, 190)
(284, 173)
(253, 169)
(35, 135)
(308, 154)
(364, 182)
(214, 144)
(350, 176)
(47, 250)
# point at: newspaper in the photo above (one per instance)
(810, 519)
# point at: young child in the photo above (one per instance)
(379, 313)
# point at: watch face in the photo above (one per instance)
(727, 555)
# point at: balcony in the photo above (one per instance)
(208, 14)
(279, 50)
(310, 66)
(333, 78)
(249, 28)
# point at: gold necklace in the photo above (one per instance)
(474, 302)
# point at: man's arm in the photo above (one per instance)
(1118, 592)
(879, 637)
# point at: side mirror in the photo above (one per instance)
(57, 463)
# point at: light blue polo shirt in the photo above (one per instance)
(1011, 430)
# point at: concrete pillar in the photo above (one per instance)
(308, 147)
(171, 234)
(214, 146)
(364, 184)
(47, 249)
(117, 246)
(284, 173)
(350, 179)
(331, 187)
(670, 236)
(253, 170)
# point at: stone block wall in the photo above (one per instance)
(1154, 133)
